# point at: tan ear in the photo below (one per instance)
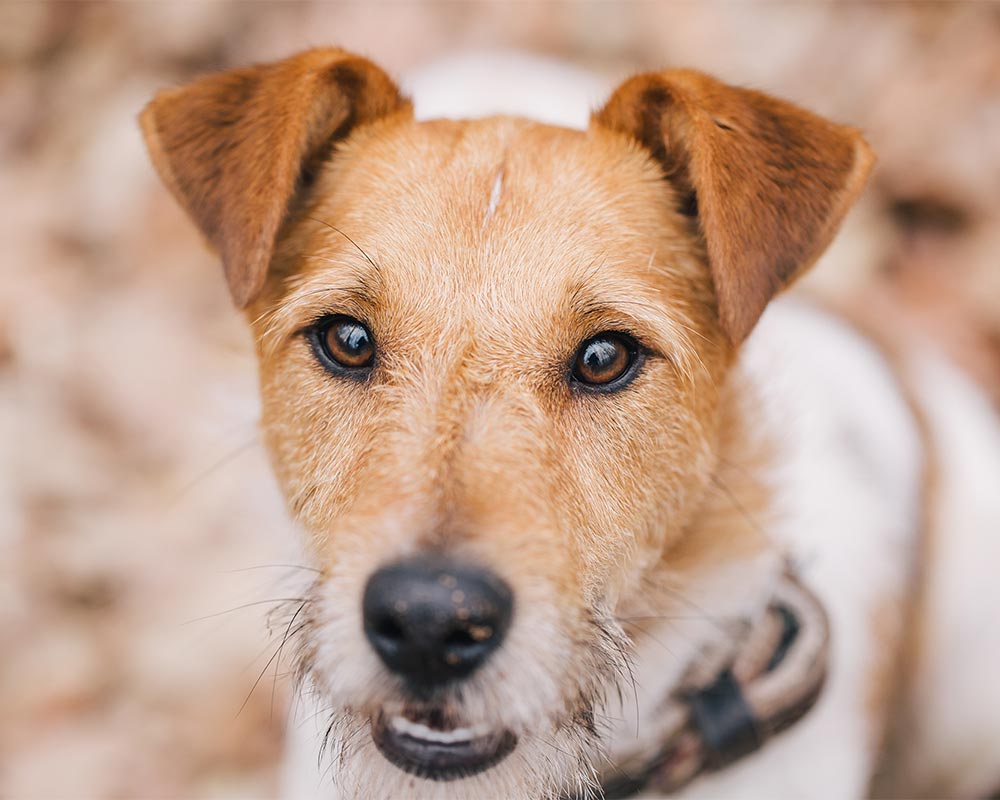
(235, 148)
(768, 182)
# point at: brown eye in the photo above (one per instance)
(344, 343)
(607, 359)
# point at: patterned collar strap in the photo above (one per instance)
(729, 704)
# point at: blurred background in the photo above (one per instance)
(142, 542)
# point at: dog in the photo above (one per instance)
(593, 513)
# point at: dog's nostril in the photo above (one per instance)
(464, 638)
(388, 628)
(432, 620)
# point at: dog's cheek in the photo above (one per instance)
(315, 431)
(640, 461)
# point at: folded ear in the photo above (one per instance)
(235, 148)
(767, 182)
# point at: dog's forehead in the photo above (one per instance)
(471, 197)
(499, 220)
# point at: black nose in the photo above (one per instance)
(432, 620)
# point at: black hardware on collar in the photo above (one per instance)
(724, 722)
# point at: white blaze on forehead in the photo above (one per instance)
(491, 207)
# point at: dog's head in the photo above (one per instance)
(493, 361)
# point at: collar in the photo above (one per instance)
(735, 697)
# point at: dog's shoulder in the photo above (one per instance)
(891, 463)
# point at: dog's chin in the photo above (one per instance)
(428, 754)
(425, 745)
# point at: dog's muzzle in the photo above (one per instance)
(433, 622)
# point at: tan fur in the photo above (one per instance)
(467, 436)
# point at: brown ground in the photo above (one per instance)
(131, 481)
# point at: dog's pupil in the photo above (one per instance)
(600, 355)
(353, 337)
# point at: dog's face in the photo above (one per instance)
(499, 251)
(491, 355)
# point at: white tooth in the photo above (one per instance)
(416, 730)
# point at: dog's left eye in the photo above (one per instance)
(607, 361)
(343, 344)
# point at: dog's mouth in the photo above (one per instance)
(430, 748)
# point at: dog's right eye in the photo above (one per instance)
(343, 344)
(606, 362)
